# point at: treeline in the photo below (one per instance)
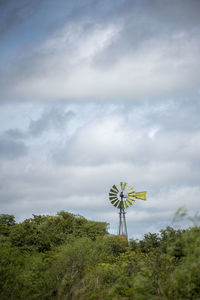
(68, 257)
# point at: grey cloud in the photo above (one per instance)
(11, 149)
(14, 134)
(15, 12)
(14, 143)
(144, 21)
(54, 118)
(180, 13)
(128, 51)
(174, 14)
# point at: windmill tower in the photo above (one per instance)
(122, 200)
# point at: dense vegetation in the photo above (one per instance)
(68, 257)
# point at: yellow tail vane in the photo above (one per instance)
(141, 195)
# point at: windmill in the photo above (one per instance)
(122, 200)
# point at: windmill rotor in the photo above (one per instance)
(120, 198)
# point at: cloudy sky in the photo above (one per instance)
(94, 92)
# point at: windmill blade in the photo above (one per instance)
(132, 194)
(141, 195)
(116, 204)
(132, 189)
(113, 191)
(113, 198)
(123, 185)
(126, 204)
(120, 205)
(113, 201)
(112, 195)
(115, 188)
(130, 201)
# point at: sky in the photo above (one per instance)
(95, 92)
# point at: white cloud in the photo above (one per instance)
(64, 66)
(110, 144)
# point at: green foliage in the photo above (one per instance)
(42, 233)
(5, 222)
(68, 257)
(7, 219)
